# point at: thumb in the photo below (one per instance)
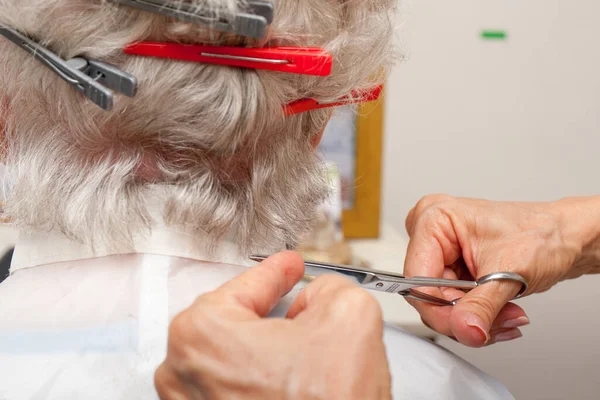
(260, 288)
(474, 316)
(320, 293)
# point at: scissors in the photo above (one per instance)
(395, 283)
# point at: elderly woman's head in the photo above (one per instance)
(213, 141)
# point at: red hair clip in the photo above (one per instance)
(357, 96)
(293, 60)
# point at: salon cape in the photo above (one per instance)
(83, 324)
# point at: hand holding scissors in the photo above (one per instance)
(458, 238)
(395, 283)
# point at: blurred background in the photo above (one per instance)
(498, 99)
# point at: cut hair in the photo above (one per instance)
(211, 142)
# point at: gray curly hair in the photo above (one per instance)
(212, 140)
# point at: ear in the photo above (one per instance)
(314, 141)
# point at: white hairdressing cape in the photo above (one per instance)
(83, 324)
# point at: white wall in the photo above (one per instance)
(518, 119)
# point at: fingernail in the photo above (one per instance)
(516, 323)
(508, 335)
(476, 322)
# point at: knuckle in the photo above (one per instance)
(354, 295)
(178, 335)
(168, 384)
(409, 222)
(485, 305)
(179, 327)
(431, 219)
(429, 213)
(429, 200)
(160, 380)
(205, 299)
(184, 346)
(187, 329)
(331, 282)
(421, 205)
(360, 303)
(544, 222)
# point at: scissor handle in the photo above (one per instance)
(426, 298)
(496, 276)
(506, 276)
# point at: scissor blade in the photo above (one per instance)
(378, 280)
(314, 269)
(357, 276)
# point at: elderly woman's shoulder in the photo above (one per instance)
(422, 369)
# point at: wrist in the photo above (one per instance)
(579, 220)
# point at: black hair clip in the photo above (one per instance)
(251, 21)
(95, 79)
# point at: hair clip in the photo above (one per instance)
(293, 60)
(357, 96)
(92, 78)
(252, 21)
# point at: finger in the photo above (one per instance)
(511, 316)
(427, 256)
(437, 317)
(410, 221)
(334, 305)
(461, 270)
(473, 316)
(504, 335)
(168, 386)
(318, 292)
(261, 287)
(419, 208)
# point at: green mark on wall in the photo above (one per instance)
(493, 35)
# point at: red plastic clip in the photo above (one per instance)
(293, 60)
(358, 96)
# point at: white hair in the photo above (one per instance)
(212, 139)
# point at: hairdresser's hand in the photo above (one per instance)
(464, 238)
(330, 347)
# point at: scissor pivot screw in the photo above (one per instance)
(379, 284)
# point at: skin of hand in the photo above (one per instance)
(458, 238)
(330, 346)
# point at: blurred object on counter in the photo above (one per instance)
(325, 242)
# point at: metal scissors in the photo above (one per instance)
(395, 283)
